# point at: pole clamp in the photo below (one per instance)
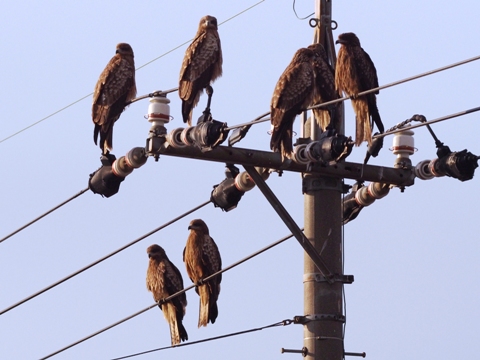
(317, 277)
(318, 317)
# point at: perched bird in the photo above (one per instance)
(202, 259)
(163, 280)
(114, 90)
(354, 73)
(325, 89)
(294, 93)
(202, 64)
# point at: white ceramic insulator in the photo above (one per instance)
(174, 138)
(121, 168)
(422, 170)
(431, 168)
(136, 157)
(184, 136)
(378, 190)
(362, 197)
(309, 151)
(299, 155)
(403, 143)
(243, 182)
(159, 111)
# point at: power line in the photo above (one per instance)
(443, 118)
(103, 258)
(398, 82)
(170, 297)
(261, 119)
(280, 323)
(298, 17)
(43, 215)
(140, 67)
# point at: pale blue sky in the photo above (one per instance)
(413, 254)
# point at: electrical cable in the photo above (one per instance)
(104, 258)
(443, 118)
(260, 119)
(397, 82)
(43, 215)
(280, 323)
(140, 67)
(171, 296)
(295, 12)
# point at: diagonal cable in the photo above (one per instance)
(169, 297)
(443, 118)
(43, 215)
(280, 323)
(103, 258)
(140, 67)
(398, 82)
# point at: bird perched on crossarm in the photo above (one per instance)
(294, 93)
(325, 89)
(202, 65)
(114, 90)
(164, 279)
(202, 259)
(354, 73)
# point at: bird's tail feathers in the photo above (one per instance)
(281, 142)
(322, 117)
(363, 128)
(212, 305)
(372, 107)
(204, 294)
(177, 331)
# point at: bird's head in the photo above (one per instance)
(208, 22)
(348, 39)
(155, 251)
(319, 51)
(124, 49)
(198, 225)
(302, 55)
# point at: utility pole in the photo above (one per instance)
(323, 300)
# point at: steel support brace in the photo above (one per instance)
(285, 216)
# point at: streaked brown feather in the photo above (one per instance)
(114, 89)
(202, 259)
(355, 72)
(201, 66)
(164, 279)
(293, 93)
(325, 88)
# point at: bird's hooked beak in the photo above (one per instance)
(116, 51)
(339, 41)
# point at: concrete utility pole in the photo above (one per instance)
(323, 301)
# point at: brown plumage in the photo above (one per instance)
(325, 89)
(355, 72)
(202, 259)
(163, 280)
(114, 89)
(294, 92)
(202, 64)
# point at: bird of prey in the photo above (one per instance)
(294, 93)
(354, 73)
(163, 280)
(325, 89)
(114, 90)
(202, 259)
(202, 64)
